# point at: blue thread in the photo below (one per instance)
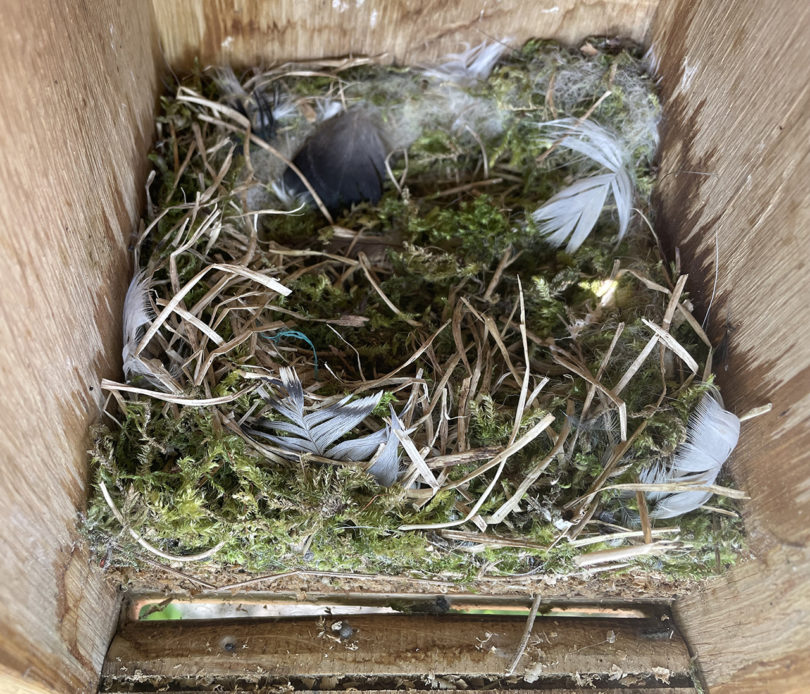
(299, 335)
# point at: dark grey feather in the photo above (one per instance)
(343, 160)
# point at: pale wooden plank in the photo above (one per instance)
(250, 33)
(77, 90)
(733, 185)
(391, 645)
(751, 629)
(556, 690)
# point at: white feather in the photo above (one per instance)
(326, 109)
(284, 108)
(137, 314)
(712, 435)
(470, 65)
(571, 214)
(653, 63)
(229, 84)
(288, 198)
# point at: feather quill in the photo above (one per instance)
(712, 435)
(316, 432)
(572, 213)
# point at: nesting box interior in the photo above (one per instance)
(79, 98)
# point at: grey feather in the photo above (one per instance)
(343, 160)
(317, 431)
(574, 211)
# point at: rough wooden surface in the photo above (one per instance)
(251, 32)
(750, 630)
(391, 646)
(77, 92)
(733, 185)
(643, 690)
(600, 690)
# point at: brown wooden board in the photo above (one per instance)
(249, 32)
(732, 194)
(555, 690)
(77, 89)
(391, 646)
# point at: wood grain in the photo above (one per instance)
(642, 690)
(601, 690)
(77, 91)
(251, 32)
(389, 645)
(733, 185)
(750, 629)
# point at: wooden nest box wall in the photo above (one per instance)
(79, 89)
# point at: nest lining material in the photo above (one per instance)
(526, 390)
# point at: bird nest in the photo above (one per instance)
(485, 367)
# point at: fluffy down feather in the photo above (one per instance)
(469, 66)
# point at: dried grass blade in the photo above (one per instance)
(500, 461)
(623, 553)
(672, 344)
(471, 455)
(527, 632)
(625, 535)
(524, 386)
(492, 328)
(196, 322)
(513, 501)
(674, 487)
(636, 365)
(143, 543)
(611, 394)
(416, 458)
(367, 385)
(107, 384)
(644, 515)
(268, 282)
(490, 540)
(522, 442)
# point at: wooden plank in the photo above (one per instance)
(512, 690)
(78, 91)
(751, 629)
(390, 646)
(733, 191)
(12, 683)
(248, 32)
